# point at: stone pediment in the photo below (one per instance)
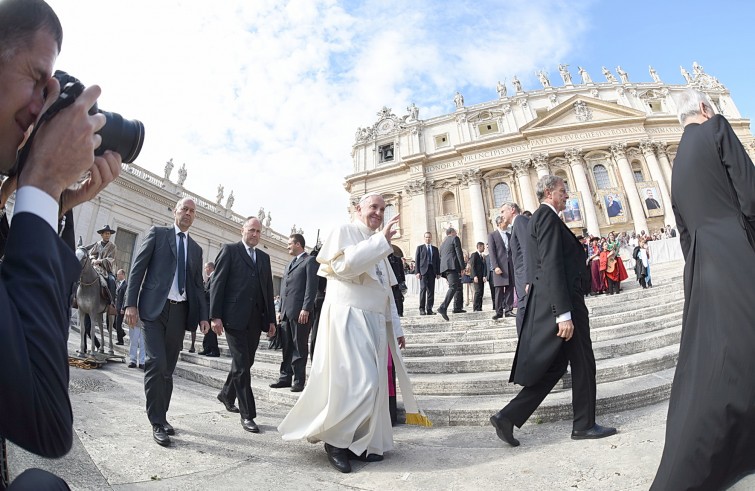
(582, 111)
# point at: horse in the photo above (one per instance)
(91, 303)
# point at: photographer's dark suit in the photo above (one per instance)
(500, 257)
(451, 264)
(560, 280)
(165, 321)
(522, 267)
(241, 295)
(428, 267)
(298, 292)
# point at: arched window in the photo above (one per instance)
(637, 172)
(564, 177)
(501, 194)
(600, 174)
(390, 212)
(449, 204)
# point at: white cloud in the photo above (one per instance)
(264, 97)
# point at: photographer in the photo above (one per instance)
(38, 269)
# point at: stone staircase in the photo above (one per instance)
(460, 369)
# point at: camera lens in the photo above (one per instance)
(124, 136)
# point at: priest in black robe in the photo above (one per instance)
(710, 431)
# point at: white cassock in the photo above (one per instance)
(345, 401)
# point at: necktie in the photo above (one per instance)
(253, 255)
(291, 266)
(181, 263)
(429, 252)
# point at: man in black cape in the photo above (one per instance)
(710, 431)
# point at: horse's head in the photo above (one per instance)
(82, 255)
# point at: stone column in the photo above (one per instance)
(522, 172)
(415, 189)
(618, 151)
(540, 161)
(583, 186)
(665, 163)
(471, 179)
(657, 174)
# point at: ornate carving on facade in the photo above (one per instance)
(553, 99)
(449, 183)
(387, 124)
(415, 187)
(583, 112)
(662, 147)
(461, 119)
(521, 167)
(540, 161)
(485, 115)
(354, 200)
(702, 80)
(618, 150)
(523, 103)
(507, 109)
(595, 93)
(574, 156)
(633, 153)
(469, 176)
(647, 147)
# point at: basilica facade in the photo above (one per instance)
(613, 142)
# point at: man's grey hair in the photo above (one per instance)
(549, 183)
(20, 20)
(513, 206)
(689, 104)
(498, 220)
(450, 230)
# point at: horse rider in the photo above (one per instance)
(102, 253)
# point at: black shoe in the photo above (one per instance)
(365, 457)
(192, 350)
(159, 435)
(250, 426)
(213, 354)
(443, 314)
(593, 433)
(504, 429)
(430, 312)
(509, 314)
(203, 353)
(169, 429)
(496, 317)
(132, 365)
(297, 388)
(422, 312)
(280, 385)
(119, 343)
(229, 406)
(143, 367)
(338, 458)
(460, 311)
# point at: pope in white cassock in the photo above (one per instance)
(345, 402)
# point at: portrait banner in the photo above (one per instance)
(650, 195)
(614, 205)
(573, 216)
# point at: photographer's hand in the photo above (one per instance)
(105, 170)
(63, 148)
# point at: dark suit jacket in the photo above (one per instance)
(451, 255)
(499, 258)
(299, 288)
(120, 296)
(421, 260)
(518, 244)
(478, 266)
(560, 280)
(36, 282)
(152, 276)
(231, 288)
(652, 204)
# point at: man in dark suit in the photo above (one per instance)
(479, 271)
(298, 292)
(166, 292)
(451, 264)
(651, 202)
(501, 262)
(427, 264)
(397, 265)
(520, 226)
(210, 340)
(556, 329)
(241, 304)
(120, 297)
(38, 270)
(490, 275)
(613, 206)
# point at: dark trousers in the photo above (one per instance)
(427, 290)
(36, 479)
(210, 342)
(479, 289)
(454, 291)
(492, 288)
(294, 338)
(163, 339)
(521, 308)
(577, 352)
(118, 325)
(92, 335)
(398, 298)
(243, 345)
(319, 299)
(504, 299)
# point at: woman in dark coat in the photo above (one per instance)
(710, 431)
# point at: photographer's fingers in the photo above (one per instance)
(53, 92)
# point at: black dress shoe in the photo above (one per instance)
(297, 388)
(169, 429)
(213, 354)
(460, 311)
(365, 457)
(510, 314)
(430, 312)
(250, 425)
(280, 385)
(504, 429)
(422, 312)
(338, 458)
(132, 365)
(192, 350)
(119, 343)
(496, 317)
(160, 436)
(443, 314)
(203, 353)
(228, 405)
(593, 433)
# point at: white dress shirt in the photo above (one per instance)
(174, 294)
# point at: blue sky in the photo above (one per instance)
(265, 96)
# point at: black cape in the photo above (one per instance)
(710, 432)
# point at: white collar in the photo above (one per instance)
(178, 230)
(551, 207)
